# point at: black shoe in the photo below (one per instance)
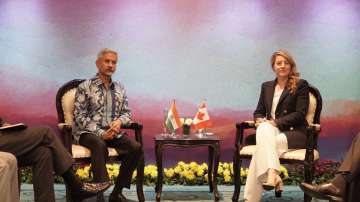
(117, 198)
(324, 191)
(89, 189)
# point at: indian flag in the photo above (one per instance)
(173, 119)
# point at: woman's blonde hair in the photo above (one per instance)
(294, 75)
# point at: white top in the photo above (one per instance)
(277, 93)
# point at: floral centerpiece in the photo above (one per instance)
(186, 124)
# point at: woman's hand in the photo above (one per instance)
(272, 122)
(258, 121)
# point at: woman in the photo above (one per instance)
(281, 124)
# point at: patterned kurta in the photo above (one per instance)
(91, 107)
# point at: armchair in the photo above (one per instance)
(65, 99)
(307, 157)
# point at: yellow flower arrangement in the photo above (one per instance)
(243, 172)
(151, 171)
(134, 175)
(220, 170)
(225, 165)
(182, 173)
(190, 176)
(200, 176)
(284, 171)
(193, 166)
(169, 172)
(200, 172)
(226, 172)
(227, 178)
(177, 169)
(181, 163)
(204, 166)
(154, 174)
(83, 173)
(231, 168)
(206, 178)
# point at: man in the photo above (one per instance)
(40, 148)
(101, 108)
(348, 172)
(9, 190)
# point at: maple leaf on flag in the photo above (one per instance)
(202, 118)
(200, 115)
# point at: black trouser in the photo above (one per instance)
(99, 154)
(40, 148)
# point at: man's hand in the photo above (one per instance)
(110, 133)
(113, 130)
(116, 125)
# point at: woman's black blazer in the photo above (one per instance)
(290, 112)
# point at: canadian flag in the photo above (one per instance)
(202, 118)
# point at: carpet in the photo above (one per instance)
(176, 194)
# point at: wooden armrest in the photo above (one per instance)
(240, 127)
(137, 127)
(66, 132)
(246, 124)
(316, 127)
(132, 125)
(64, 125)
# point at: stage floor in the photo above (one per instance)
(176, 193)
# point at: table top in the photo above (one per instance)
(182, 138)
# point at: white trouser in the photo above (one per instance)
(270, 144)
(9, 191)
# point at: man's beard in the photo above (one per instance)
(109, 74)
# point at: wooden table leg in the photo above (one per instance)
(158, 154)
(237, 177)
(210, 168)
(216, 165)
(140, 180)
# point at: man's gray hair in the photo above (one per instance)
(103, 51)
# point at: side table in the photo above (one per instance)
(211, 141)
